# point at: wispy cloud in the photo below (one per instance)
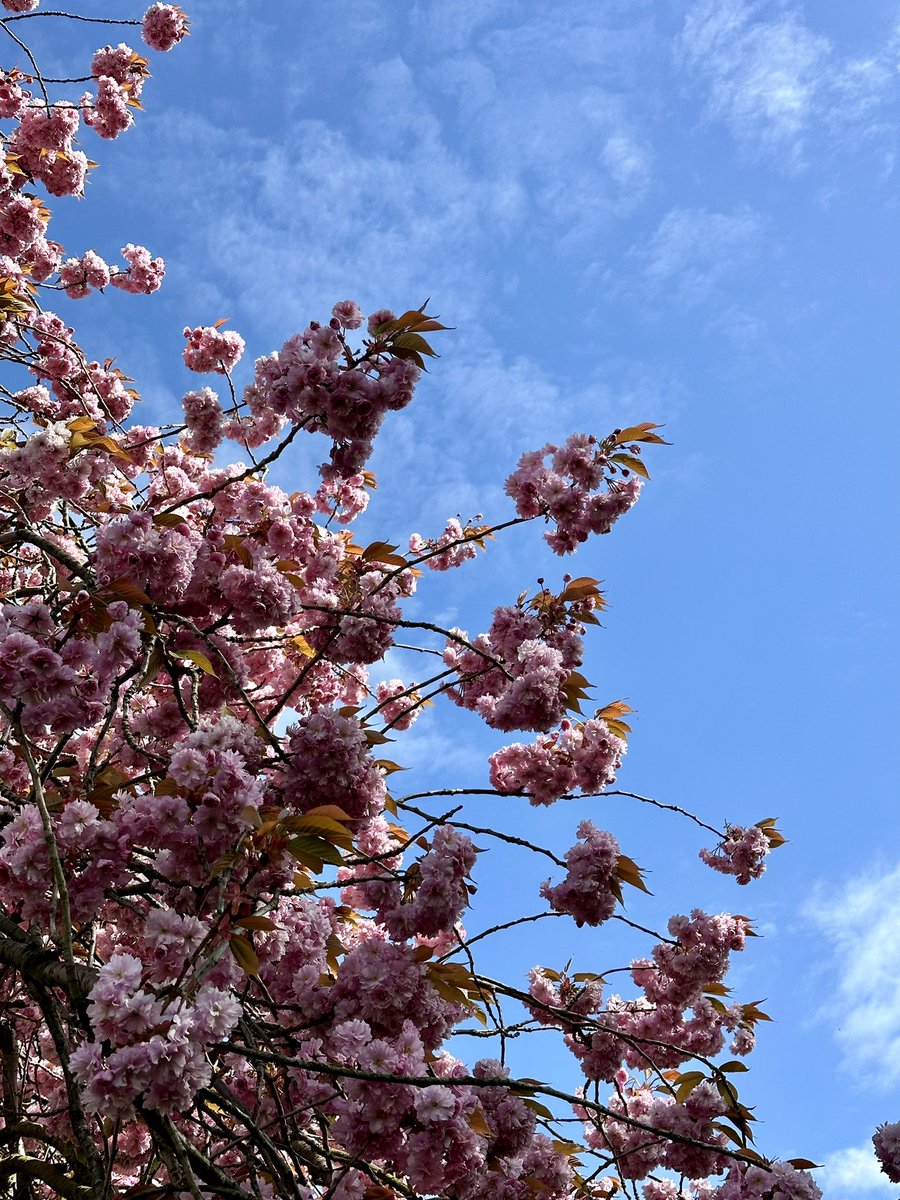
(782, 88)
(862, 922)
(763, 75)
(693, 250)
(854, 1172)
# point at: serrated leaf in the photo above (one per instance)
(452, 995)
(629, 872)
(81, 424)
(804, 1164)
(375, 549)
(752, 1012)
(256, 922)
(640, 433)
(124, 589)
(383, 552)
(567, 1148)
(244, 954)
(631, 463)
(307, 849)
(330, 830)
(300, 643)
(413, 342)
(686, 1084)
(199, 659)
(537, 1107)
(234, 544)
(388, 767)
(536, 1185)
(329, 810)
(580, 589)
(477, 1121)
(736, 1138)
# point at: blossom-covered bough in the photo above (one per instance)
(230, 958)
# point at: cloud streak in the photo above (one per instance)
(854, 1172)
(861, 921)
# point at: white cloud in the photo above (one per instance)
(763, 75)
(862, 923)
(781, 88)
(693, 250)
(852, 1172)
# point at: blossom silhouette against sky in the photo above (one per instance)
(683, 213)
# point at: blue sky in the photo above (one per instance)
(682, 212)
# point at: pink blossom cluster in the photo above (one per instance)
(665, 1026)
(437, 891)
(679, 972)
(346, 497)
(639, 1151)
(373, 882)
(77, 276)
(12, 96)
(357, 624)
(674, 1019)
(329, 762)
(144, 274)
(886, 1141)
(164, 26)
(567, 493)
(162, 613)
(588, 892)
(56, 680)
(584, 755)
(779, 1181)
(431, 1134)
(123, 65)
(398, 706)
(212, 350)
(157, 1050)
(552, 992)
(42, 149)
(454, 547)
(90, 848)
(513, 676)
(442, 1152)
(309, 382)
(44, 144)
(22, 224)
(108, 113)
(741, 853)
(205, 419)
(348, 314)
(386, 984)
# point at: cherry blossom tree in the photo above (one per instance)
(231, 951)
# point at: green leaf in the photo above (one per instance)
(244, 954)
(631, 463)
(198, 659)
